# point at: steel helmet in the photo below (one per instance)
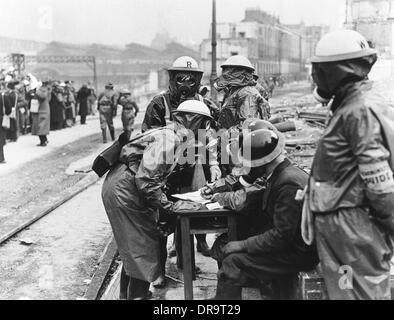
(342, 45)
(109, 85)
(185, 63)
(125, 92)
(194, 106)
(260, 144)
(238, 61)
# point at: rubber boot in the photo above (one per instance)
(202, 245)
(226, 291)
(112, 132)
(104, 135)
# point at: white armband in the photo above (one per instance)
(378, 177)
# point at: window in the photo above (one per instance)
(234, 53)
(242, 35)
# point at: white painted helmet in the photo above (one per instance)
(194, 106)
(342, 45)
(238, 61)
(185, 63)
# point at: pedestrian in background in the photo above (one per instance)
(69, 104)
(82, 98)
(91, 99)
(56, 105)
(40, 112)
(71, 100)
(13, 132)
(129, 111)
(107, 108)
(5, 109)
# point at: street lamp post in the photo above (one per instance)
(214, 45)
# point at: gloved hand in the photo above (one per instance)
(234, 247)
(207, 192)
(216, 197)
(183, 205)
(216, 173)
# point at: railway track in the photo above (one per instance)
(10, 234)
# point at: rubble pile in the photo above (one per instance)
(302, 122)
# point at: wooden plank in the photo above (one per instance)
(105, 262)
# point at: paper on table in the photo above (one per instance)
(192, 196)
(214, 206)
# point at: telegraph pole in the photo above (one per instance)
(214, 45)
(94, 73)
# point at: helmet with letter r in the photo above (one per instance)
(185, 78)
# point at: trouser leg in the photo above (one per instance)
(163, 255)
(128, 134)
(110, 124)
(201, 238)
(246, 270)
(112, 133)
(2, 153)
(43, 139)
(355, 255)
(124, 284)
(137, 289)
(103, 126)
(83, 119)
(104, 134)
(225, 291)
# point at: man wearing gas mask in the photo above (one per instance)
(270, 251)
(349, 203)
(242, 100)
(184, 84)
(134, 198)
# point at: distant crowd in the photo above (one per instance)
(28, 105)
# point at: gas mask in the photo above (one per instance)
(192, 121)
(184, 85)
(321, 96)
(330, 76)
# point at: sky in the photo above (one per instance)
(118, 22)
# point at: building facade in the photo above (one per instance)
(273, 48)
(374, 19)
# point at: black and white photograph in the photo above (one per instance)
(196, 150)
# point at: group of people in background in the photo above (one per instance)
(28, 105)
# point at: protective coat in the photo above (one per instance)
(274, 245)
(133, 195)
(240, 104)
(129, 112)
(5, 108)
(106, 108)
(56, 105)
(159, 111)
(351, 192)
(41, 120)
